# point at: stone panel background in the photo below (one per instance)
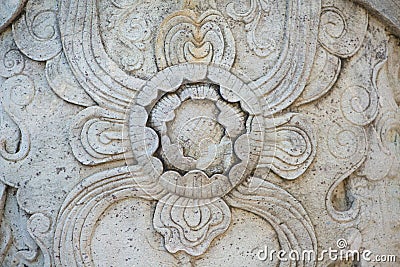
(199, 133)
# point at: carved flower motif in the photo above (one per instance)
(201, 141)
(191, 138)
(196, 132)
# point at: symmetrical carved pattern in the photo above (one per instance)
(187, 37)
(187, 161)
(200, 109)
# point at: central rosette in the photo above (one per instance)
(197, 129)
(196, 132)
(196, 136)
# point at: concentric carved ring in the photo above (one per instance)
(197, 129)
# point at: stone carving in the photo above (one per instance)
(199, 116)
(187, 37)
(4, 227)
(133, 31)
(203, 163)
(323, 76)
(18, 91)
(187, 162)
(29, 250)
(12, 60)
(63, 82)
(343, 26)
(36, 32)
(359, 106)
(386, 10)
(260, 11)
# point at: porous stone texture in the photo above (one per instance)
(199, 132)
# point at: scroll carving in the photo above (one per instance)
(187, 169)
(259, 11)
(15, 138)
(197, 110)
(36, 32)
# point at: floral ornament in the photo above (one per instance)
(191, 139)
(195, 158)
(197, 138)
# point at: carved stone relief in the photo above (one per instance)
(197, 133)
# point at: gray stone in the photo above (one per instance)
(199, 133)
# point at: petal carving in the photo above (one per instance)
(185, 37)
(98, 136)
(190, 225)
(290, 147)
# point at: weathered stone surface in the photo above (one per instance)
(386, 10)
(199, 133)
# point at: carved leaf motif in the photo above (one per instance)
(133, 32)
(36, 32)
(100, 76)
(12, 61)
(323, 76)
(17, 93)
(190, 225)
(64, 83)
(346, 141)
(154, 100)
(185, 37)
(98, 137)
(359, 100)
(286, 79)
(393, 68)
(285, 214)
(290, 147)
(21, 235)
(340, 35)
(380, 162)
(384, 150)
(350, 214)
(39, 226)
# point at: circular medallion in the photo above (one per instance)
(197, 129)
